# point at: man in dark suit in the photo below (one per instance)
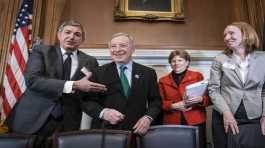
(55, 86)
(132, 106)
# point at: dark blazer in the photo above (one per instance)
(45, 89)
(143, 99)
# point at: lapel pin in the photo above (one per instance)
(136, 76)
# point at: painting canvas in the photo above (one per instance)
(150, 5)
(151, 10)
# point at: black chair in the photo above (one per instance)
(170, 136)
(16, 141)
(93, 139)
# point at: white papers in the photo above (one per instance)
(196, 89)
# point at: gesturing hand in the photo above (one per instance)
(87, 86)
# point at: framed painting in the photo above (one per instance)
(171, 10)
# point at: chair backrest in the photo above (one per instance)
(170, 136)
(16, 141)
(93, 139)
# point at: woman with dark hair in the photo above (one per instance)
(236, 88)
(176, 109)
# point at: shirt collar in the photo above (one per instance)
(238, 59)
(128, 65)
(63, 51)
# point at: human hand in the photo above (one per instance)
(193, 100)
(87, 86)
(112, 116)
(262, 124)
(230, 122)
(142, 125)
(181, 106)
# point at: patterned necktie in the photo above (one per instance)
(67, 66)
(124, 81)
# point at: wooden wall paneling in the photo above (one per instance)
(202, 28)
(2, 6)
(240, 10)
(37, 20)
(53, 13)
(256, 15)
(8, 16)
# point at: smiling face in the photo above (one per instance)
(121, 49)
(179, 64)
(233, 37)
(70, 37)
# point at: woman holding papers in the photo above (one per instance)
(179, 108)
(236, 87)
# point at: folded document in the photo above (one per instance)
(196, 89)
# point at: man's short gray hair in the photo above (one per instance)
(131, 40)
(72, 23)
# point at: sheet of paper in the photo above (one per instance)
(196, 89)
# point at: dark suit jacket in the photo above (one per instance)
(45, 89)
(144, 98)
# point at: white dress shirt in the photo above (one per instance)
(127, 71)
(68, 86)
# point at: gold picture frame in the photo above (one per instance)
(150, 10)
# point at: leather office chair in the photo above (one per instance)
(170, 136)
(16, 141)
(93, 139)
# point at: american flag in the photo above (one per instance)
(14, 83)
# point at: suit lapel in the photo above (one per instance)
(187, 77)
(59, 66)
(236, 70)
(81, 62)
(251, 67)
(172, 82)
(58, 58)
(137, 79)
(112, 79)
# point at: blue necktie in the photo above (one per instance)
(124, 81)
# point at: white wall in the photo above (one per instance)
(201, 59)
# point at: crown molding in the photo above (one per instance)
(153, 56)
